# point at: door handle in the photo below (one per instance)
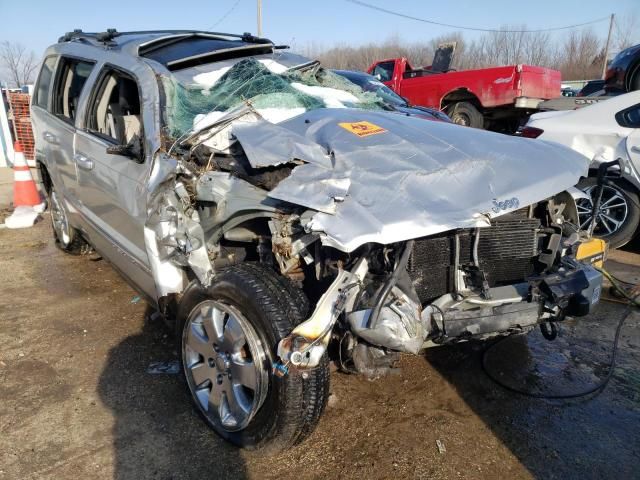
(83, 162)
(635, 149)
(50, 138)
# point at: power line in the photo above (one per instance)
(223, 17)
(476, 29)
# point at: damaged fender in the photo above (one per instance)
(174, 239)
(306, 344)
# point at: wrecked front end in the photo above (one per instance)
(528, 267)
(403, 234)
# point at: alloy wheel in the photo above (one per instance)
(611, 215)
(225, 364)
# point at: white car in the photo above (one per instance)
(602, 132)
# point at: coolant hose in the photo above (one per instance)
(393, 278)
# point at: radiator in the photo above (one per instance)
(507, 251)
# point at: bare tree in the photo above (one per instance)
(625, 31)
(577, 53)
(581, 55)
(19, 64)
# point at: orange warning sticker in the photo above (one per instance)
(362, 129)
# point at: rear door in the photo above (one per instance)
(59, 133)
(112, 185)
(40, 107)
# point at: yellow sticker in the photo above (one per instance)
(362, 129)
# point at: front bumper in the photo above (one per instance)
(573, 291)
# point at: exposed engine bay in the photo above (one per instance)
(403, 233)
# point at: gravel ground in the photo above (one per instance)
(76, 400)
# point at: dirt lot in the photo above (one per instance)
(76, 400)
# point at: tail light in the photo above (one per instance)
(530, 132)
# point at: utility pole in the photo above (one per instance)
(606, 48)
(260, 18)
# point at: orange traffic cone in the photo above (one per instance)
(26, 199)
(25, 192)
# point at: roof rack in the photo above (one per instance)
(108, 36)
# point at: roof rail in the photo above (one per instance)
(102, 37)
(111, 33)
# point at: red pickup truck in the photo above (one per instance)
(497, 98)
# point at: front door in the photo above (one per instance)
(112, 185)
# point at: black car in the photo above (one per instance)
(592, 86)
(623, 74)
(369, 83)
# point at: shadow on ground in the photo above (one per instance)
(633, 246)
(574, 439)
(157, 433)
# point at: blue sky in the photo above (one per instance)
(295, 22)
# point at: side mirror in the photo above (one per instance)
(131, 150)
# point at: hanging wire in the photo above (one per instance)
(223, 17)
(476, 29)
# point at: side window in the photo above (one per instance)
(72, 75)
(114, 112)
(629, 118)
(44, 82)
(384, 71)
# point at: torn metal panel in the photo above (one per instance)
(266, 144)
(413, 178)
(305, 345)
(231, 195)
(174, 238)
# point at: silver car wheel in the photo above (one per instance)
(59, 219)
(225, 364)
(611, 215)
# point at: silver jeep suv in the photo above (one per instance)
(271, 208)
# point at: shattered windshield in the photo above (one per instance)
(275, 91)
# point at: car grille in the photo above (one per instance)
(506, 252)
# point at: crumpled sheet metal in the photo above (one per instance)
(266, 144)
(173, 239)
(412, 179)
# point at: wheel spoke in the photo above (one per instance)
(616, 205)
(616, 223)
(583, 209)
(586, 222)
(201, 373)
(239, 406)
(615, 196)
(604, 223)
(234, 337)
(244, 373)
(215, 397)
(197, 342)
(213, 321)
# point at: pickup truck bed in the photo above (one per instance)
(497, 98)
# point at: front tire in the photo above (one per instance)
(229, 333)
(619, 213)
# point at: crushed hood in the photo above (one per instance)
(383, 177)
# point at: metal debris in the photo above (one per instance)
(167, 368)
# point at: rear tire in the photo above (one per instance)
(466, 114)
(66, 238)
(275, 412)
(628, 213)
